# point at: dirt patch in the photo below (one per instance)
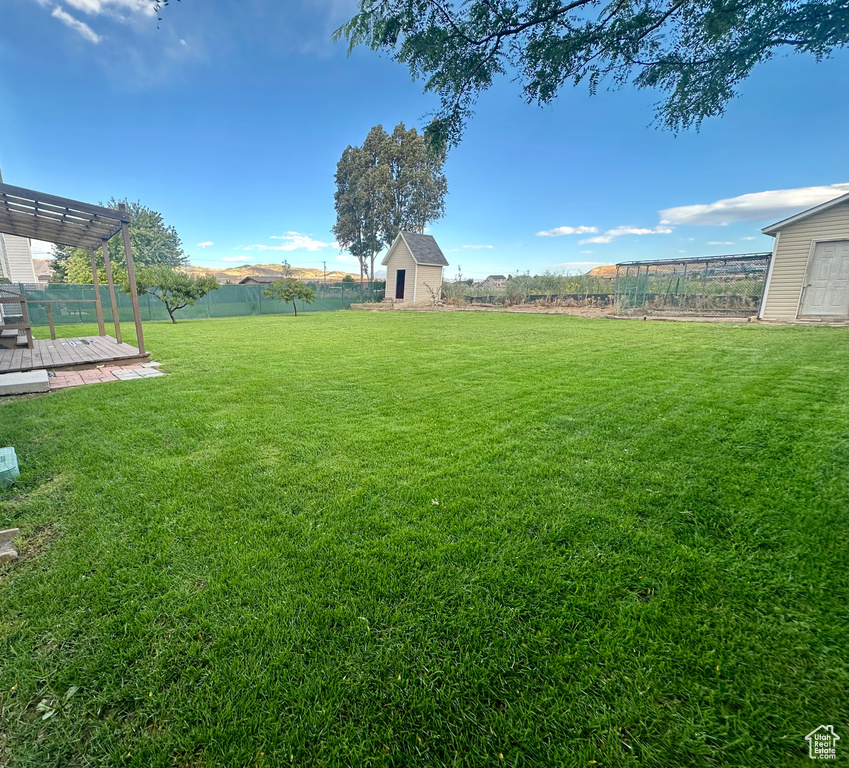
(531, 309)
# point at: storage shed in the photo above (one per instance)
(413, 268)
(808, 277)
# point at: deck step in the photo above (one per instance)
(7, 334)
(24, 383)
(23, 341)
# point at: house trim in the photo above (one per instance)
(769, 276)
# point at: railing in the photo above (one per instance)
(8, 297)
(48, 306)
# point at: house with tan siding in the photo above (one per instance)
(414, 265)
(808, 276)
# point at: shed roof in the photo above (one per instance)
(423, 249)
(496, 277)
(772, 229)
(27, 213)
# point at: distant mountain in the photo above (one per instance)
(235, 274)
(608, 271)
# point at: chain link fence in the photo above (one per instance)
(74, 303)
(710, 286)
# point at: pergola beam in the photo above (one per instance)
(112, 298)
(38, 215)
(98, 306)
(27, 213)
(63, 202)
(40, 227)
(131, 278)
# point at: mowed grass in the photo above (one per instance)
(376, 539)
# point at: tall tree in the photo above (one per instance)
(357, 205)
(415, 184)
(152, 240)
(391, 183)
(694, 51)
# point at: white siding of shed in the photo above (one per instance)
(401, 258)
(427, 278)
(790, 259)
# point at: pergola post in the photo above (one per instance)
(113, 300)
(131, 276)
(101, 329)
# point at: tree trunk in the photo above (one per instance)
(171, 313)
(296, 307)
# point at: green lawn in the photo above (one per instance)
(402, 539)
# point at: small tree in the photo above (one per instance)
(348, 279)
(173, 287)
(288, 290)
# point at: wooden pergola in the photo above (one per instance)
(38, 215)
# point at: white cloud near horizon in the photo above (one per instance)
(78, 26)
(477, 247)
(611, 234)
(560, 231)
(756, 206)
(721, 242)
(206, 244)
(292, 241)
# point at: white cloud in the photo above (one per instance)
(611, 234)
(586, 251)
(560, 231)
(477, 247)
(756, 206)
(292, 241)
(78, 26)
(748, 238)
(206, 244)
(97, 7)
(720, 242)
(238, 258)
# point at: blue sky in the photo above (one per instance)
(229, 118)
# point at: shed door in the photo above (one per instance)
(827, 287)
(400, 279)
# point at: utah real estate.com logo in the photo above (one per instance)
(822, 743)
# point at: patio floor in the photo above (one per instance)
(76, 353)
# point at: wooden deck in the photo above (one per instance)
(70, 354)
